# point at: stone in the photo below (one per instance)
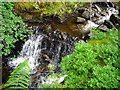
(80, 20)
(97, 14)
(109, 24)
(115, 19)
(94, 19)
(103, 28)
(98, 8)
(103, 13)
(86, 14)
(80, 10)
(111, 4)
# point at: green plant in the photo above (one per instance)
(12, 28)
(53, 79)
(19, 77)
(92, 64)
(109, 35)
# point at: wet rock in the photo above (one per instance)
(97, 7)
(115, 19)
(103, 28)
(94, 19)
(103, 13)
(86, 14)
(80, 10)
(109, 24)
(46, 57)
(82, 29)
(80, 20)
(48, 28)
(97, 14)
(101, 5)
(110, 4)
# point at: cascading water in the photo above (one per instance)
(42, 49)
(45, 48)
(29, 52)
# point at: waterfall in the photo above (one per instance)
(30, 52)
(44, 48)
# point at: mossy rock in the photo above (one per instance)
(59, 9)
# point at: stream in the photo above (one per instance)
(53, 39)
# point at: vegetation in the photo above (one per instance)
(19, 77)
(44, 9)
(93, 64)
(59, 9)
(12, 28)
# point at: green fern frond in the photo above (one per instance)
(19, 78)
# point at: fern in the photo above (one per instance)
(19, 77)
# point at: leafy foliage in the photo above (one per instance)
(12, 29)
(19, 77)
(53, 79)
(93, 64)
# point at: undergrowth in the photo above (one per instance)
(94, 64)
(12, 29)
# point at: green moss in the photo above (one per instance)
(104, 41)
(59, 9)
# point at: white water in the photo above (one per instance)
(110, 11)
(30, 52)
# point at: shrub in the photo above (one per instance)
(92, 64)
(12, 28)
